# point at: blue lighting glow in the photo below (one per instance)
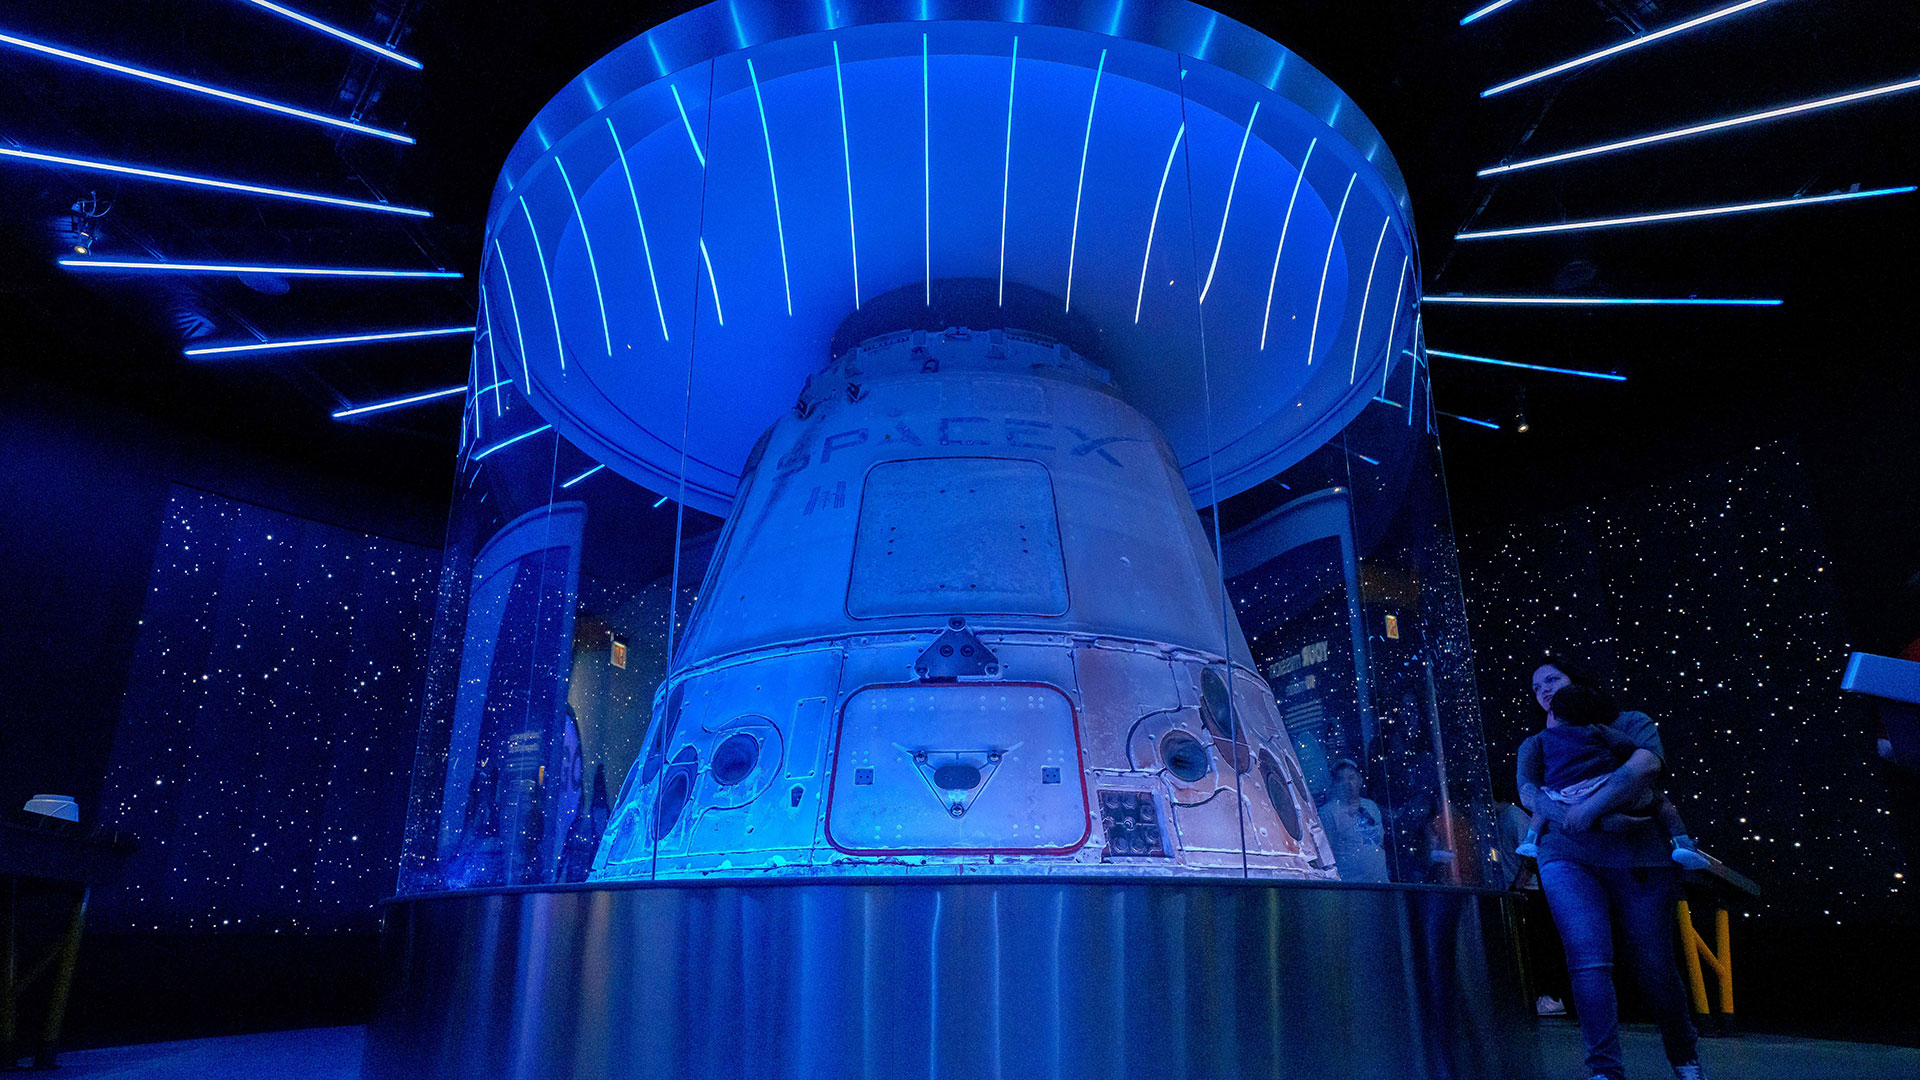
(336, 32)
(309, 343)
(513, 305)
(1481, 13)
(1232, 184)
(207, 182)
(779, 224)
(713, 283)
(1598, 301)
(1366, 298)
(486, 333)
(1702, 129)
(400, 403)
(239, 268)
(1006, 176)
(1385, 401)
(1154, 222)
(846, 157)
(646, 246)
(199, 88)
(1080, 186)
(688, 124)
(659, 501)
(553, 306)
(1369, 460)
(1631, 43)
(926, 166)
(1678, 215)
(509, 442)
(1287, 223)
(1607, 376)
(1393, 327)
(581, 477)
(1334, 238)
(1469, 420)
(593, 267)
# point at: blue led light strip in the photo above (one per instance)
(926, 167)
(1597, 301)
(513, 305)
(236, 268)
(846, 157)
(779, 224)
(1393, 327)
(657, 502)
(646, 246)
(1073, 244)
(199, 88)
(713, 283)
(1468, 420)
(1221, 239)
(1154, 223)
(1314, 337)
(308, 343)
(1702, 129)
(1678, 215)
(207, 182)
(400, 403)
(336, 32)
(553, 306)
(1366, 298)
(1608, 376)
(688, 124)
(1274, 278)
(1006, 176)
(486, 332)
(1481, 13)
(503, 445)
(1631, 43)
(593, 266)
(581, 477)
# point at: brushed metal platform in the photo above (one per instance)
(952, 980)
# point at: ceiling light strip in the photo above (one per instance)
(1606, 376)
(503, 445)
(335, 32)
(698, 153)
(1706, 128)
(1232, 184)
(1599, 301)
(200, 88)
(161, 266)
(582, 476)
(846, 158)
(1333, 238)
(713, 283)
(646, 246)
(1393, 327)
(308, 343)
(1086, 141)
(64, 161)
(1154, 222)
(1481, 13)
(779, 224)
(400, 403)
(1006, 177)
(513, 305)
(1274, 278)
(926, 171)
(1680, 215)
(1366, 298)
(1631, 43)
(1468, 420)
(593, 265)
(553, 305)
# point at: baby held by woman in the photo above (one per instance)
(1581, 751)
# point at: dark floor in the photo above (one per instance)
(334, 1054)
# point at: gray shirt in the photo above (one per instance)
(1642, 846)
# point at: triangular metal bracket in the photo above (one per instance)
(955, 655)
(956, 777)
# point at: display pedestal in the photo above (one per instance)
(953, 979)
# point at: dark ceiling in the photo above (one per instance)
(1835, 369)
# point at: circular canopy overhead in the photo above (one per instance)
(678, 235)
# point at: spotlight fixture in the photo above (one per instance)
(1520, 423)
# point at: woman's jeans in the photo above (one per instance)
(1601, 910)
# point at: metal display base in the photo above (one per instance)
(953, 979)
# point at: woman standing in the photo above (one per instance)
(1610, 892)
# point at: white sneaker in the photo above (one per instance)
(1549, 1006)
(1690, 1071)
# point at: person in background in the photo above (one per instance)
(1542, 964)
(1355, 827)
(1610, 892)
